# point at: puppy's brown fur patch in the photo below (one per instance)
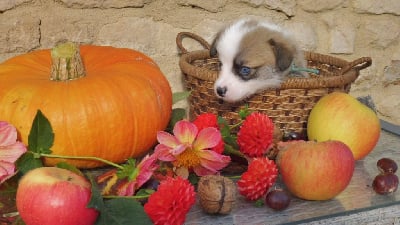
(262, 47)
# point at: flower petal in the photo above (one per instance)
(6, 167)
(202, 171)
(162, 152)
(126, 188)
(185, 131)
(208, 138)
(167, 139)
(7, 170)
(8, 134)
(179, 149)
(11, 153)
(110, 178)
(147, 162)
(146, 168)
(211, 162)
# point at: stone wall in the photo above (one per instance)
(345, 29)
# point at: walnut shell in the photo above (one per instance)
(217, 194)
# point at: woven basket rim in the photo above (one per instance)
(348, 73)
(349, 70)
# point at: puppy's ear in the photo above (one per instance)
(213, 47)
(213, 50)
(283, 54)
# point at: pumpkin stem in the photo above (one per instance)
(66, 62)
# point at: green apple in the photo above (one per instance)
(340, 116)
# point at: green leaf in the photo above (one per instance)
(129, 170)
(244, 112)
(27, 162)
(120, 211)
(41, 136)
(259, 203)
(18, 221)
(223, 126)
(177, 115)
(145, 192)
(193, 178)
(179, 96)
(96, 200)
(67, 166)
(123, 211)
(232, 141)
(226, 132)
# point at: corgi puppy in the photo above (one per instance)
(254, 56)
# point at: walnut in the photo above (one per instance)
(217, 194)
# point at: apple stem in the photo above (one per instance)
(83, 158)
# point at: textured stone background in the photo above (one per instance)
(345, 29)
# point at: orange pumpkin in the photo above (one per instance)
(114, 111)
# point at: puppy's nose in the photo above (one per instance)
(221, 91)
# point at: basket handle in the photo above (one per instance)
(193, 36)
(358, 64)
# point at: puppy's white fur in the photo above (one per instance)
(263, 48)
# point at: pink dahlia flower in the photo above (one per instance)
(190, 149)
(10, 150)
(209, 120)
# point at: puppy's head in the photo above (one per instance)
(254, 56)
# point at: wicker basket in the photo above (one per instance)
(288, 106)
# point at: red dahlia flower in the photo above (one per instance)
(255, 136)
(171, 202)
(261, 174)
(206, 120)
(209, 120)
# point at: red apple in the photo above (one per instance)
(339, 116)
(315, 170)
(50, 195)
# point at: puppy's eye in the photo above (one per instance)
(244, 71)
